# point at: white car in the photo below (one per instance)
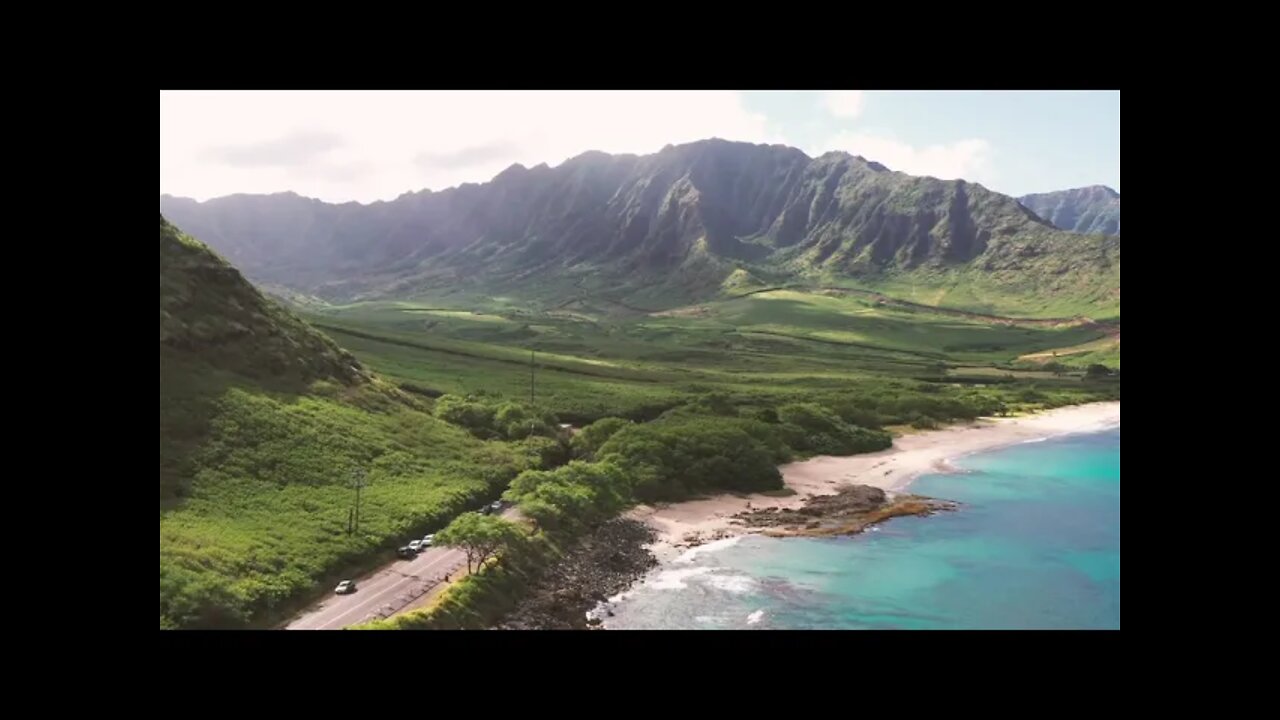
(415, 545)
(345, 587)
(427, 540)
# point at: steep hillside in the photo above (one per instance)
(207, 309)
(263, 422)
(687, 223)
(1094, 209)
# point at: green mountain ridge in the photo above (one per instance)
(1093, 209)
(687, 223)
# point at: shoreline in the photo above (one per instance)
(684, 525)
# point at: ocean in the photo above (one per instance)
(1034, 545)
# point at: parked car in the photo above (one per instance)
(415, 545)
(346, 587)
(496, 506)
(487, 509)
(427, 540)
(406, 552)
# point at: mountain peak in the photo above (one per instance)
(1090, 209)
(513, 170)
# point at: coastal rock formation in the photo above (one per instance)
(601, 565)
(848, 512)
(614, 556)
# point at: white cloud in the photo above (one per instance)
(968, 159)
(843, 103)
(365, 146)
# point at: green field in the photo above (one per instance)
(594, 361)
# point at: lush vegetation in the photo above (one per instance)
(590, 438)
(480, 536)
(571, 497)
(478, 601)
(716, 442)
(810, 427)
(267, 504)
(685, 456)
(264, 420)
(492, 418)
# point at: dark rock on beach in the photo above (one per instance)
(848, 512)
(600, 565)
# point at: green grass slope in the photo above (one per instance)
(262, 421)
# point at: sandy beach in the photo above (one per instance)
(681, 525)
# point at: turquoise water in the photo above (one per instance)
(1035, 545)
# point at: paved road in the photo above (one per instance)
(388, 590)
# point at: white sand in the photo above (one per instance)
(682, 525)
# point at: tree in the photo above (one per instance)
(674, 458)
(1097, 371)
(544, 515)
(514, 421)
(571, 495)
(474, 416)
(590, 438)
(480, 536)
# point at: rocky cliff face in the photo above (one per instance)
(689, 215)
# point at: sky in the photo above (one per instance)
(365, 146)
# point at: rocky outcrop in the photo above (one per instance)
(600, 565)
(848, 512)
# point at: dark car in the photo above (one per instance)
(406, 552)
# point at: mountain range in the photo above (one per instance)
(687, 223)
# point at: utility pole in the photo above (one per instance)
(531, 378)
(357, 482)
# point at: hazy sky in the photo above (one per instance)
(367, 145)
